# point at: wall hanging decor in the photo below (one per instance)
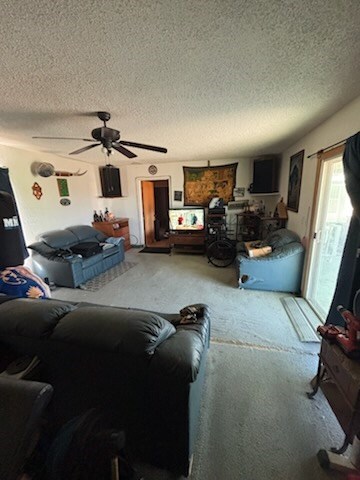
(295, 173)
(63, 187)
(201, 184)
(65, 201)
(37, 191)
(44, 169)
(239, 192)
(178, 195)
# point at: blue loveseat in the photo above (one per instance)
(52, 258)
(281, 270)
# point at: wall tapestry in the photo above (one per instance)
(201, 184)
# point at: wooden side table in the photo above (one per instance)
(119, 227)
(251, 226)
(338, 376)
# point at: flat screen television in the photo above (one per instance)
(187, 219)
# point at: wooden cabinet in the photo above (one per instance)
(339, 378)
(192, 242)
(250, 226)
(119, 227)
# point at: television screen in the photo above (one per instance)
(187, 219)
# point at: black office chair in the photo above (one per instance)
(22, 403)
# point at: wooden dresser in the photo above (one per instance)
(119, 227)
(339, 378)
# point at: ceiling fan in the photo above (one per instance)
(109, 139)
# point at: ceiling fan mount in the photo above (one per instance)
(109, 138)
(104, 116)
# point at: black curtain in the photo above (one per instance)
(5, 186)
(349, 273)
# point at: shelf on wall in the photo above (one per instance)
(264, 194)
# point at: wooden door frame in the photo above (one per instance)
(138, 181)
(322, 157)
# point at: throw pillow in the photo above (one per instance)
(256, 249)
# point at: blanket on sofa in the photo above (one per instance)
(20, 281)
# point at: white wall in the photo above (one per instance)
(130, 206)
(343, 124)
(47, 214)
(38, 216)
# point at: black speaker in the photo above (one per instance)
(110, 181)
(266, 175)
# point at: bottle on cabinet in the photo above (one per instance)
(96, 217)
(101, 216)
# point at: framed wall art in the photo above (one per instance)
(178, 195)
(63, 187)
(295, 174)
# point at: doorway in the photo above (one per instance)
(155, 202)
(332, 219)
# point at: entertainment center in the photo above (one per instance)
(192, 242)
(187, 229)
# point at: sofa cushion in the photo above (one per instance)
(86, 249)
(280, 238)
(43, 249)
(127, 331)
(31, 317)
(87, 233)
(90, 261)
(59, 238)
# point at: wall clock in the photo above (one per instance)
(152, 170)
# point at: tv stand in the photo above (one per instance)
(188, 242)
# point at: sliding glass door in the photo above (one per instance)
(333, 215)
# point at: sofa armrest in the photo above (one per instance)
(286, 251)
(180, 355)
(67, 272)
(279, 271)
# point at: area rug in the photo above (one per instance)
(156, 250)
(302, 317)
(256, 422)
(104, 278)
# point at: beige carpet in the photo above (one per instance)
(256, 422)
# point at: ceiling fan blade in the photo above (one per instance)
(123, 150)
(84, 149)
(146, 147)
(67, 138)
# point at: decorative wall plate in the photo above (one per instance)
(152, 169)
(65, 201)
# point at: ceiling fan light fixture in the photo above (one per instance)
(109, 138)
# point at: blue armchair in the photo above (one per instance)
(280, 271)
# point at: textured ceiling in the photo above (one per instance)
(205, 78)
